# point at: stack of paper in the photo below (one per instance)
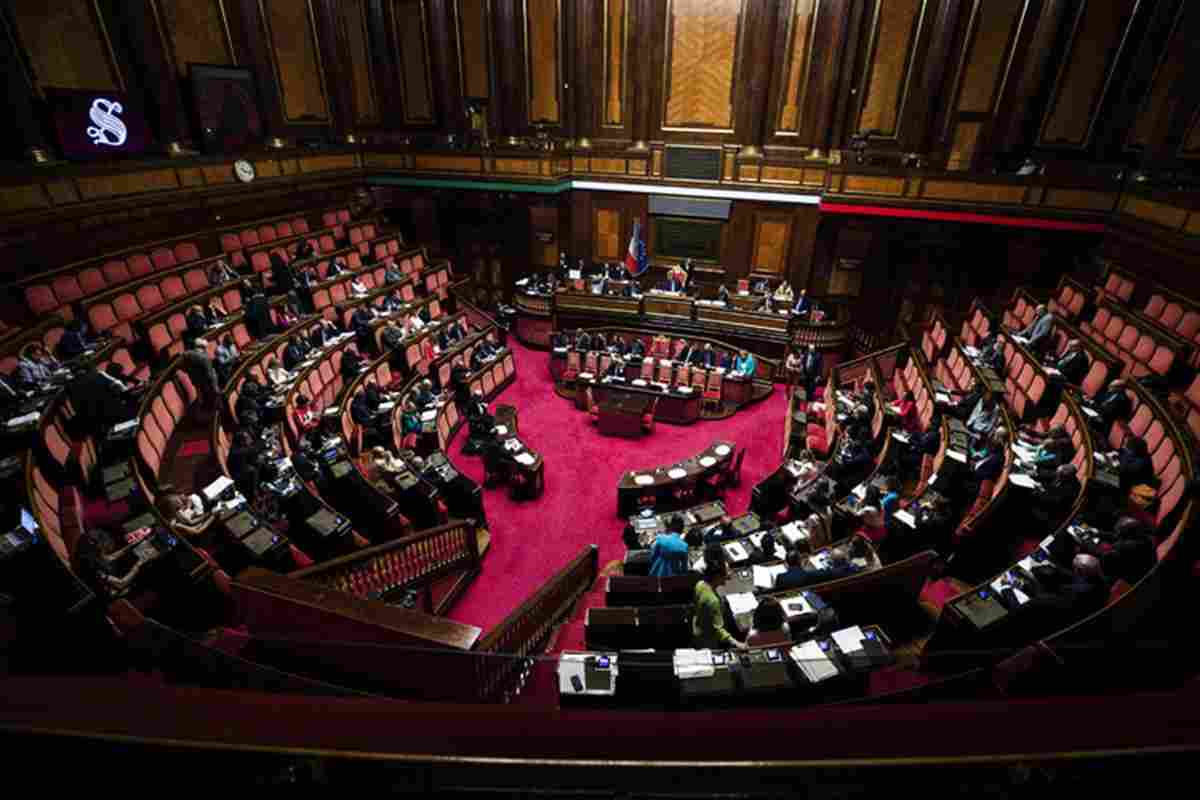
(813, 662)
(757, 538)
(742, 603)
(693, 664)
(849, 640)
(905, 516)
(795, 606)
(764, 577)
(860, 491)
(737, 552)
(500, 430)
(524, 458)
(794, 532)
(1022, 480)
(957, 456)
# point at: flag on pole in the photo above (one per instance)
(635, 258)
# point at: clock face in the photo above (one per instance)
(244, 170)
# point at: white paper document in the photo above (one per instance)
(501, 430)
(29, 419)
(429, 416)
(721, 449)
(795, 606)
(737, 551)
(643, 480)
(957, 456)
(217, 487)
(998, 586)
(742, 603)
(707, 461)
(693, 663)
(849, 640)
(813, 662)
(906, 517)
(127, 425)
(794, 532)
(524, 458)
(677, 473)
(764, 577)
(1022, 480)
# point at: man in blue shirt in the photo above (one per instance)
(668, 554)
(802, 304)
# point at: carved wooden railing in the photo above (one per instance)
(503, 657)
(410, 563)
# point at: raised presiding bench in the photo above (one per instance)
(672, 485)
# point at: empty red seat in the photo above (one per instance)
(249, 237)
(300, 225)
(266, 233)
(139, 266)
(186, 251)
(115, 272)
(162, 258)
(283, 229)
(194, 280)
(230, 242)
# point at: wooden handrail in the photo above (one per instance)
(524, 631)
(411, 562)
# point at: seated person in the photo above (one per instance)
(906, 410)
(226, 359)
(985, 463)
(870, 514)
(1055, 450)
(1135, 467)
(35, 366)
(357, 287)
(616, 370)
(617, 346)
(669, 553)
(1130, 554)
(336, 267)
(802, 305)
(793, 364)
(723, 294)
(294, 354)
(560, 340)
(637, 348)
(385, 462)
(424, 396)
(360, 324)
(103, 563)
(583, 341)
(74, 341)
(768, 625)
(745, 365)
(852, 454)
(984, 416)
(305, 419)
(1073, 363)
(197, 321)
(801, 573)
(245, 461)
(783, 294)
(708, 620)
(410, 417)
(392, 274)
(1056, 599)
(599, 342)
(1053, 498)
(704, 357)
(1037, 333)
(352, 364)
(185, 515)
(1113, 405)
(100, 402)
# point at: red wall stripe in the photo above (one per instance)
(962, 216)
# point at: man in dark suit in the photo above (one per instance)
(295, 352)
(1055, 497)
(393, 337)
(1113, 405)
(99, 403)
(73, 342)
(637, 349)
(352, 364)
(1074, 363)
(685, 355)
(814, 366)
(364, 410)
(704, 357)
(1057, 598)
(360, 323)
(424, 394)
(258, 316)
(283, 278)
(199, 367)
(799, 574)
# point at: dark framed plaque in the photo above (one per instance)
(678, 238)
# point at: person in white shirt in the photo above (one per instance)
(357, 288)
(276, 374)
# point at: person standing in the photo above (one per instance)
(708, 622)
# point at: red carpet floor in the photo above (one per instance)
(534, 539)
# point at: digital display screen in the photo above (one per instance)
(27, 521)
(96, 124)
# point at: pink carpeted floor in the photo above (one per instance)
(532, 540)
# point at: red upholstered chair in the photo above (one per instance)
(713, 389)
(646, 374)
(743, 285)
(572, 369)
(648, 416)
(664, 373)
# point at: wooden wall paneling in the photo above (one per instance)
(337, 65)
(543, 62)
(1033, 57)
(447, 84)
(508, 43)
(613, 35)
(892, 34)
(771, 243)
(931, 50)
(794, 37)
(66, 44)
(990, 31)
(827, 82)
(410, 25)
(24, 130)
(580, 203)
(1098, 39)
(753, 72)
(544, 235)
(290, 32)
(607, 235)
(1155, 99)
(353, 22)
(702, 45)
(384, 70)
(195, 31)
(142, 52)
(473, 46)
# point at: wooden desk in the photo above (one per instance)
(678, 409)
(661, 482)
(621, 413)
(509, 431)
